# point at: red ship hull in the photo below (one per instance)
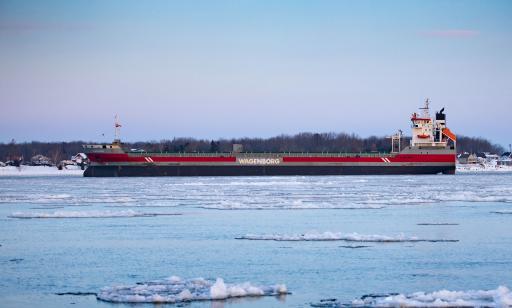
(229, 164)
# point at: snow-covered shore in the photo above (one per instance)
(463, 168)
(39, 171)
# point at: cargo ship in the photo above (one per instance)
(431, 151)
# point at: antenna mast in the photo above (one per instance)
(425, 110)
(117, 128)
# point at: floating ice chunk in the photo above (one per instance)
(176, 290)
(86, 214)
(219, 290)
(500, 297)
(281, 288)
(255, 291)
(502, 212)
(337, 236)
(174, 279)
(185, 295)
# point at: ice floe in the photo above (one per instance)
(176, 290)
(500, 297)
(86, 214)
(338, 236)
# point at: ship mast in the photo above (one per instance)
(117, 129)
(425, 110)
(396, 142)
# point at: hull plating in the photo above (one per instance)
(198, 170)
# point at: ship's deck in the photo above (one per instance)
(262, 154)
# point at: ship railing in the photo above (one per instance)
(265, 154)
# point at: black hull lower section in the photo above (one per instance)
(198, 170)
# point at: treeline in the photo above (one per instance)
(55, 151)
(477, 145)
(303, 142)
(306, 142)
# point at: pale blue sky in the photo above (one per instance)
(212, 69)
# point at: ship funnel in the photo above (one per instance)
(440, 116)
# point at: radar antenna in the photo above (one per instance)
(425, 110)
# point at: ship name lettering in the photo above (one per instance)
(259, 161)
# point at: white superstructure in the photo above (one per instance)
(430, 132)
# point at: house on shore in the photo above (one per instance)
(40, 160)
(466, 158)
(79, 159)
(505, 159)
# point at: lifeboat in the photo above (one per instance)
(423, 136)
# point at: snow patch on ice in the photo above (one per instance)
(86, 214)
(338, 236)
(176, 290)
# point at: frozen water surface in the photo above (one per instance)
(418, 236)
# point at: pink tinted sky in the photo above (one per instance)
(229, 69)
